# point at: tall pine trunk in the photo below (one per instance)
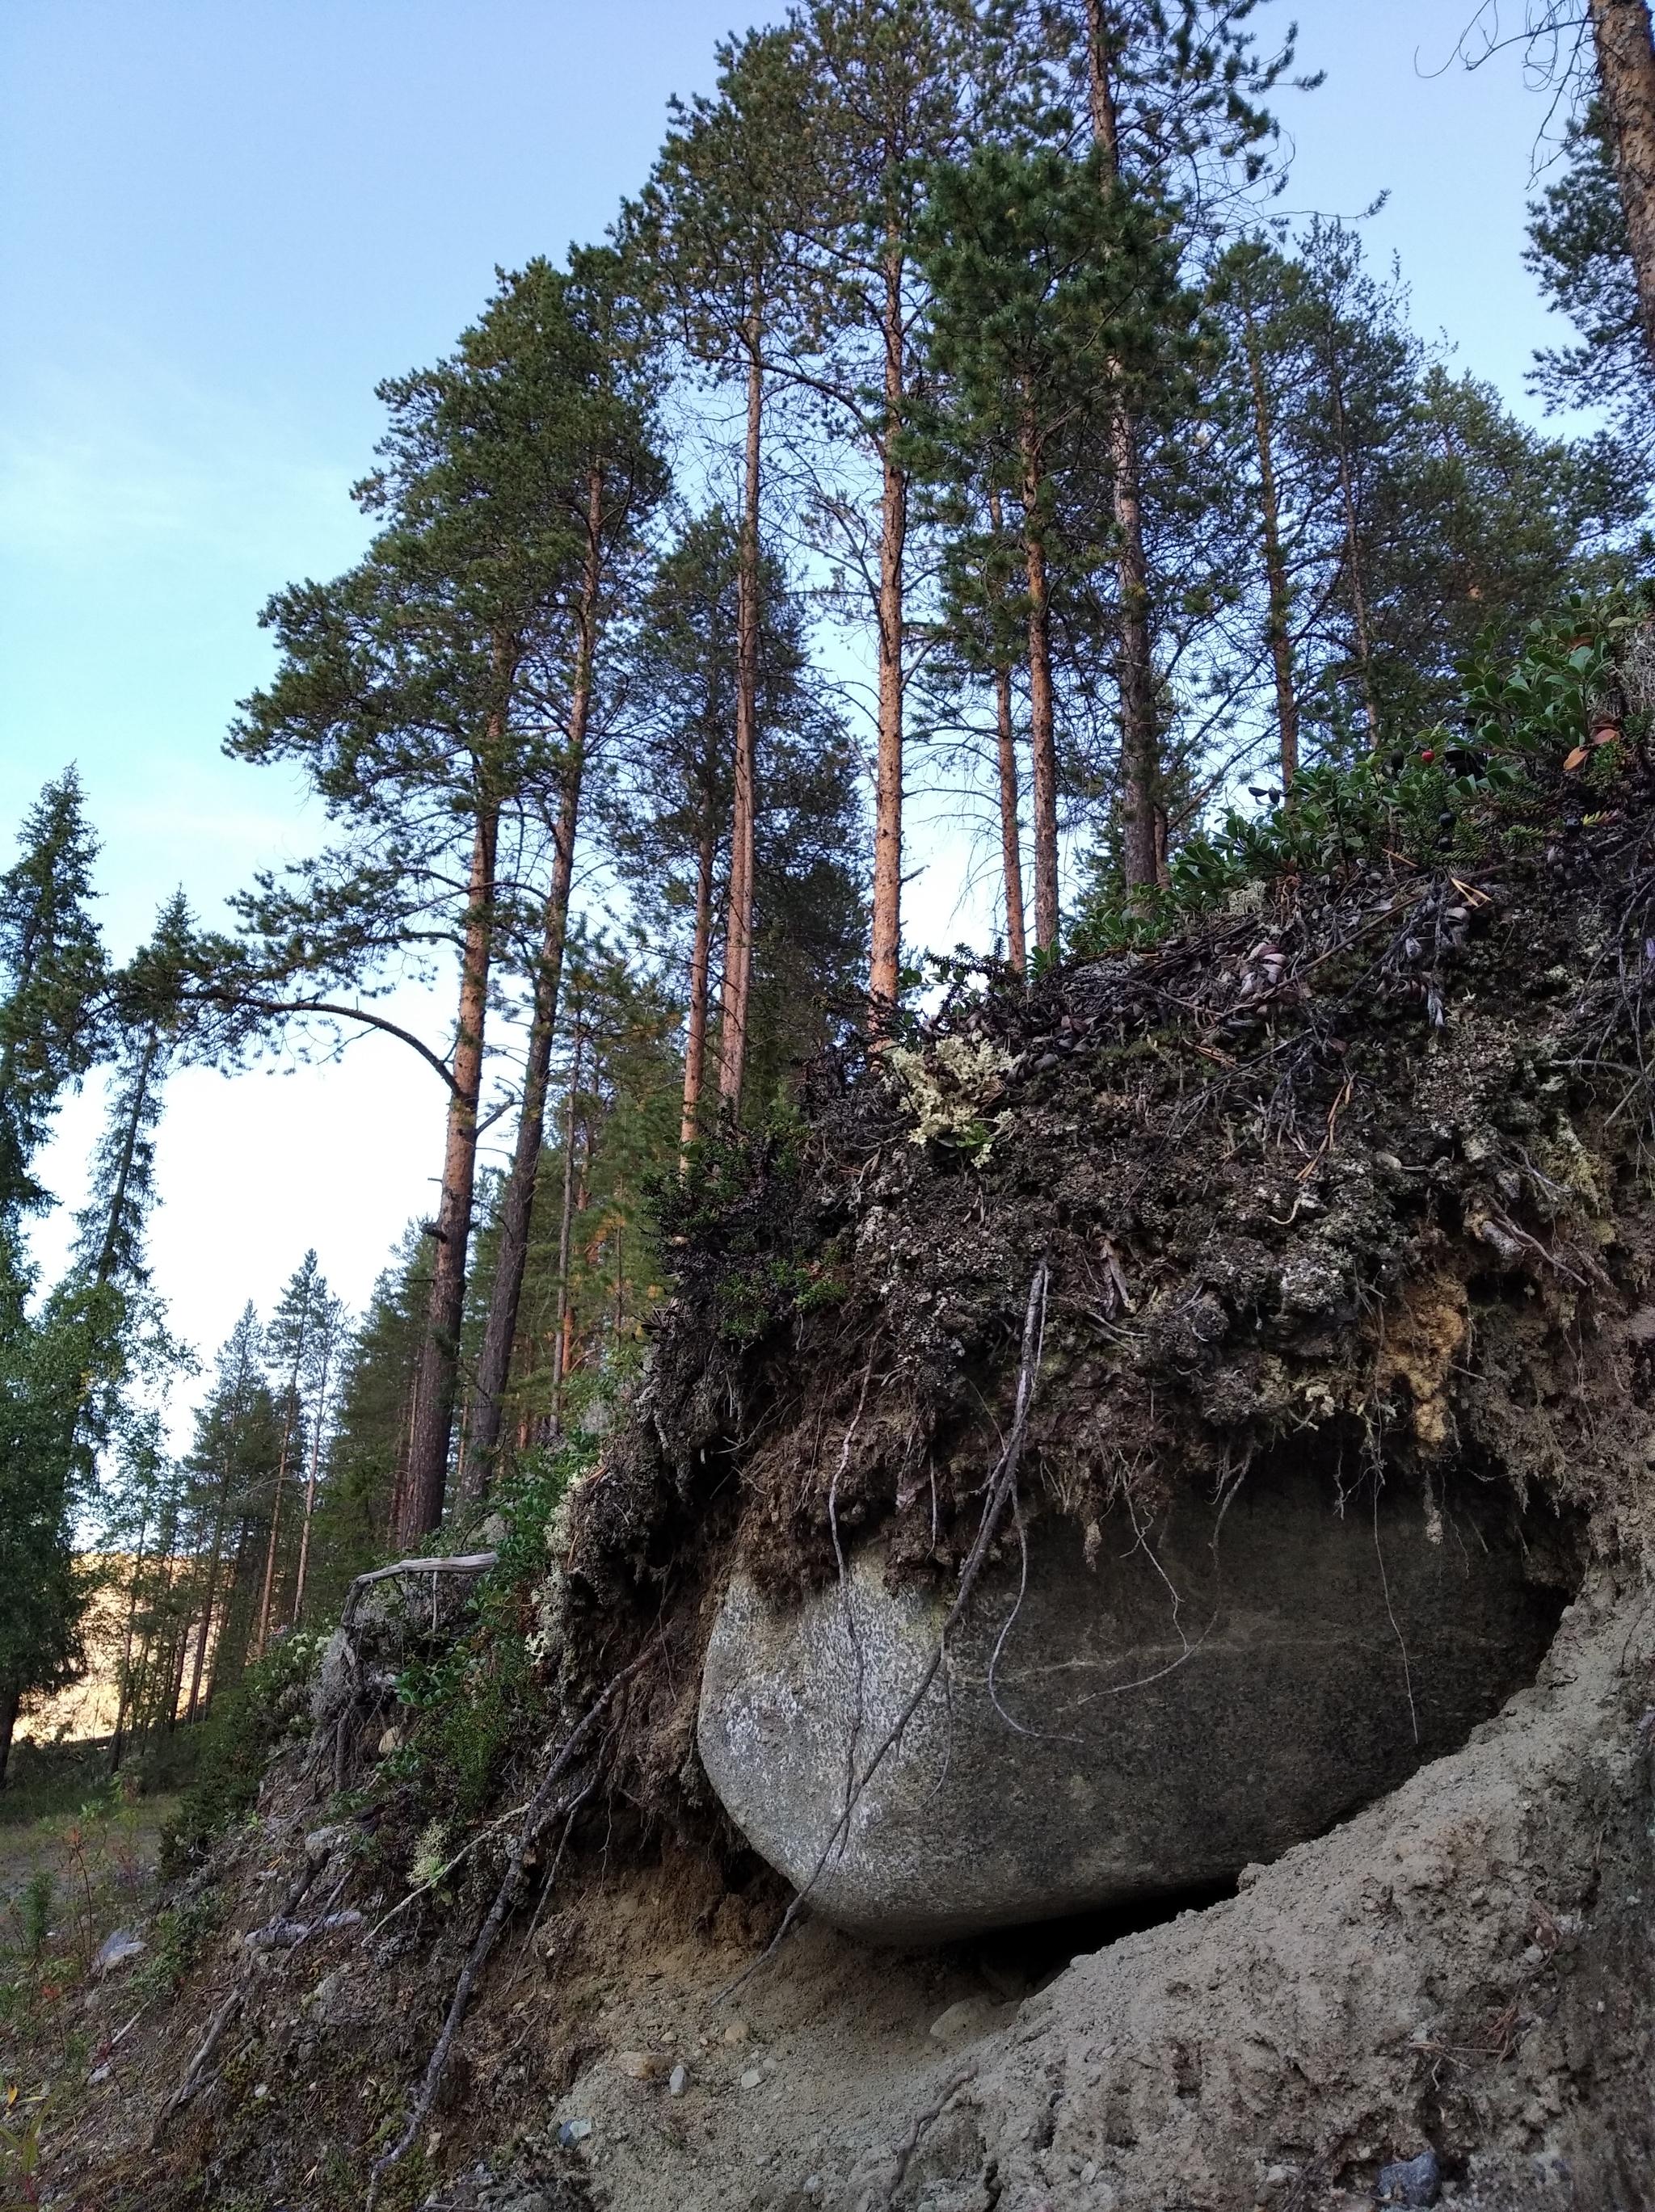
(695, 1044)
(737, 939)
(1042, 717)
(287, 1420)
(517, 1200)
(1626, 81)
(1011, 850)
(885, 978)
(1352, 536)
(439, 1354)
(310, 1490)
(1143, 842)
(219, 1513)
(1277, 629)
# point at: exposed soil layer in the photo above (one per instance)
(1365, 1164)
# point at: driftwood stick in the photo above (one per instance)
(1002, 1484)
(542, 1808)
(472, 1563)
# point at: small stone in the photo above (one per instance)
(736, 2032)
(390, 1741)
(677, 2080)
(969, 2017)
(117, 1948)
(98, 2074)
(813, 2184)
(1411, 2181)
(1089, 2171)
(261, 2092)
(574, 2131)
(751, 2078)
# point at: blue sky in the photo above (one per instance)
(220, 223)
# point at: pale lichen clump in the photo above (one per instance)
(950, 1090)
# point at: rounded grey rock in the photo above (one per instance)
(1210, 1691)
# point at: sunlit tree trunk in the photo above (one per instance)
(439, 1355)
(886, 977)
(1042, 716)
(738, 943)
(1277, 631)
(1625, 49)
(517, 1200)
(695, 1044)
(1011, 843)
(310, 1493)
(1143, 841)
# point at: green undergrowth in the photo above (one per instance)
(1530, 749)
(471, 1701)
(268, 1706)
(731, 1206)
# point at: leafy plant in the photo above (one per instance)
(39, 1893)
(1489, 786)
(20, 2147)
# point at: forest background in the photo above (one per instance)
(1332, 514)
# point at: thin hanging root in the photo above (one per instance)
(911, 2142)
(1002, 1484)
(544, 1808)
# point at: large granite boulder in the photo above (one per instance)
(1198, 1695)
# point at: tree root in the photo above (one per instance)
(1002, 1485)
(545, 1805)
(911, 2142)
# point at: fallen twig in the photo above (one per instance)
(192, 2081)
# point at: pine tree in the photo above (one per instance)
(412, 692)
(1172, 96)
(616, 479)
(1579, 251)
(672, 818)
(897, 86)
(1056, 302)
(722, 228)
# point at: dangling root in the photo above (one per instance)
(546, 1805)
(911, 2142)
(1002, 1483)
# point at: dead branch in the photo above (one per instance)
(544, 1808)
(221, 2020)
(197, 2066)
(473, 1563)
